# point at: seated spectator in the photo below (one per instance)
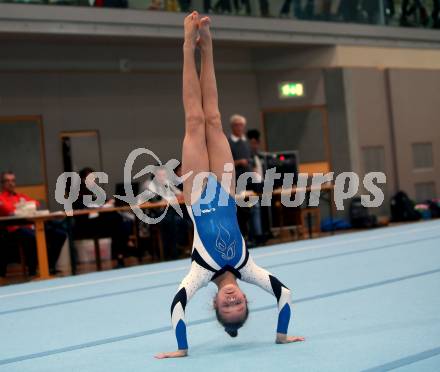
(298, 11)
(207, 8)
(155, 5)
(25, 235)
(223, 6)
(106, 224)
(238, 4)
(389, 9)
(109, 3)
(171, 6)
(173, 228)
(348, 10)
(264, 8)
(372, 9)
(185, 5)
(435, 13)
(326, 14)
(409, 9)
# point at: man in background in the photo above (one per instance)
(259, 226)
(25, 235)
(241, 153)
(248, 218)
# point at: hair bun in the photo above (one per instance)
(231, 332)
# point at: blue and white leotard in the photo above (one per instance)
(219, 247)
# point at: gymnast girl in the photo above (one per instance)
(219, 253)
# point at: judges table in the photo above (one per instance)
(39, 219)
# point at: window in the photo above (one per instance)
(422, 155)
(374, 159)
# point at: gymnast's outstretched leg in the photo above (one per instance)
(194, 152)
(219, 151)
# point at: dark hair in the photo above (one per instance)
(232, 328)
(253, 134)
(83, 173)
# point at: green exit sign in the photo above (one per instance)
(291, 89)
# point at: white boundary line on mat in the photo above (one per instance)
(181, 268)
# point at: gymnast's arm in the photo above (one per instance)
(197, 277)
(254, 274)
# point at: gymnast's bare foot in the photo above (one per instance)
(205, 39)
(191, 30)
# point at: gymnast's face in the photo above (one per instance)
(231, 303)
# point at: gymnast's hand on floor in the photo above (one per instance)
(172, 354)
(285, 339)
